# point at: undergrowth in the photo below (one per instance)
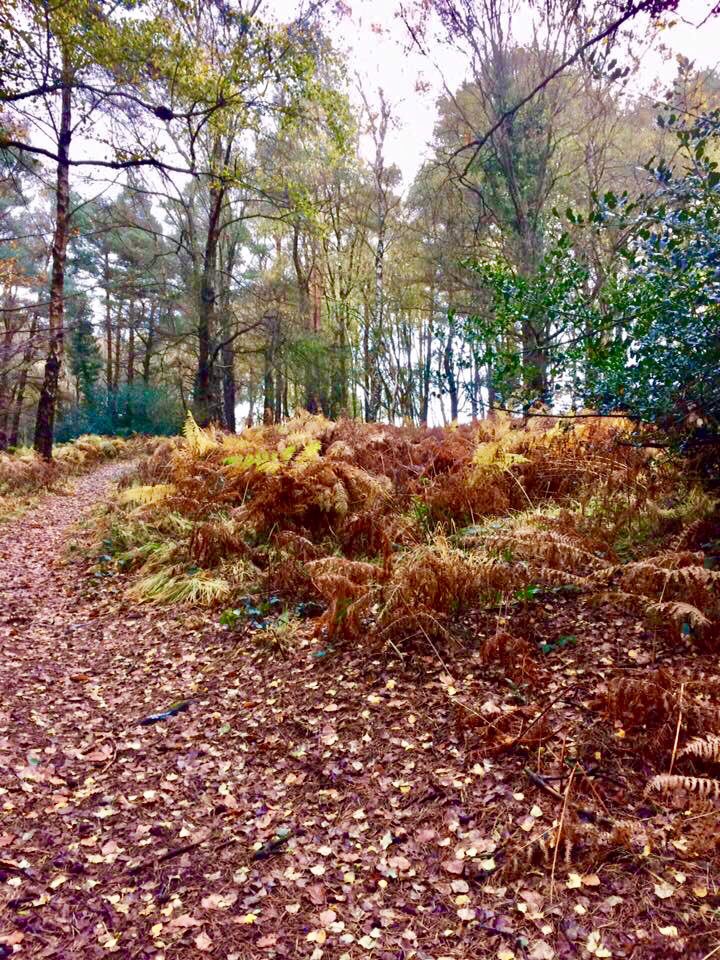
(397, 530)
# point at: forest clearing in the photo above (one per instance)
(359, 479)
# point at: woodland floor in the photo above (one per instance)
(367, 778)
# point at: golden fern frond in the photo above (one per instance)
(493, 456)
(703, 787)
(678, 612)
(648, 577)
(560, 578)
(146, 495)
(679, 558)
(695, 576)
(704, 748)
(555, 549)
(355, 571)
(674, 610)
(199, 441)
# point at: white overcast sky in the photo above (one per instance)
(375, 43)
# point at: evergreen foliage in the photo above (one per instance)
(132, 409)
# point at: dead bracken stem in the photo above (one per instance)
(558, 835)
(677, 728)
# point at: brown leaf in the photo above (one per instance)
(203, 941)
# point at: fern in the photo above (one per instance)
(680, 613)
(702, 787)
(704, 748)
(146, 495)
(199, 441)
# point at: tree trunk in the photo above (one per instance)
(149, 345)
(448, 361)
(228, 385)
(118, 345)
(534, 328)
(5, 391)
(229, 390)
(108, 322)
(47, 403)
(22, 382)
(278, 396)
(206, 308)
(131, 348)
(427, 362)
(269, 374)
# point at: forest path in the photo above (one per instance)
(33, 592)
(77, 672)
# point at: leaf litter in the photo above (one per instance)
(336, 807)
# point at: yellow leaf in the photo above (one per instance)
(671, 931)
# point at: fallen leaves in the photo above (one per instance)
(402, 827)
(203, 942)
(575, 881)
(664, 890)
(595, 946)
(217, 901)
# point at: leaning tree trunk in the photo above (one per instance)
(47, 404)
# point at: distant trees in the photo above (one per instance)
(225, 233)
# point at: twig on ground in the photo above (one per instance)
(542, 783)
(677, 728)
(559, 831)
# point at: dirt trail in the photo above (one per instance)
(309, 803)
(32, 593)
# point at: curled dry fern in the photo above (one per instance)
(704, 748)
(702, 787)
